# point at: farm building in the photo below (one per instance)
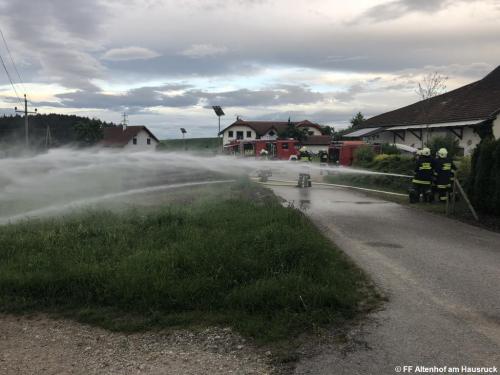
(130, 138)
(467, 114)
(268, 130)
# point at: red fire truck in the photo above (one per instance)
(342, 152)
(280, 149)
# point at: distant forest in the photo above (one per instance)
(62, 129)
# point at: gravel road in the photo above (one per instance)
(43, 346)
(441, 276)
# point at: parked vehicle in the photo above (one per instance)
(342, 152)
(280, 149)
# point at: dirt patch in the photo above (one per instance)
(40, 345)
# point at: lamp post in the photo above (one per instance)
(219, 112)
(184, 131)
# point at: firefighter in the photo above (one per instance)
(444, 174)
(264, 154)
(323, 160)
(304, 176)
(422, 180)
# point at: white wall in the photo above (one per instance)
(226, 139)
(311, 129)
(468, 142)
(142, 143)
(267, 136)
(496, 127)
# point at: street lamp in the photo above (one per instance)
(219, 112)
(183, 131)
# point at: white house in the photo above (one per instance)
(467, 114)
(130, 138)
(251, 130)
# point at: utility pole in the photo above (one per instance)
(26, 128)
(125, 121)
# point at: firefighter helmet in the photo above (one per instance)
(443, 153)
(426, 151)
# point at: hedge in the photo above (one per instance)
(484, 183)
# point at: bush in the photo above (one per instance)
(389, 149)
(484, 182)
(363, 155)
(448, 142)
(464, 166)
(397, 164)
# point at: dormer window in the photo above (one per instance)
(134, 140)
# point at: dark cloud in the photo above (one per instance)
(138, 99)
(398, 8)
(56, 37)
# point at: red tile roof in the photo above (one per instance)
(262, 127)
(477, 100)
(117, 137)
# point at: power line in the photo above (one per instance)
(11, 59)
(13, 63)
(10, 79)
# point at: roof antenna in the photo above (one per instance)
(125, 121)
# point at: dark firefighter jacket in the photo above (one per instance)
(444, 172)
(424, 171)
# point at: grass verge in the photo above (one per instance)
(244, 261)
(401, 185)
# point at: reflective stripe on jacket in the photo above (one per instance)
(424, 170)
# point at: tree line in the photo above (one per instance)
(52, 130)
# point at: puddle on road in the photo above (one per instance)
(384, 244)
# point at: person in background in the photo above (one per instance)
(304, 175)
(422, 180)
(444, 174)
(323, 160)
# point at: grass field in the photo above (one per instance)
(197, 145)
(245, 261)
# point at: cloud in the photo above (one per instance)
(198, 51)
(398, 8)
(57, 38)
(181, 96)
(129, 53)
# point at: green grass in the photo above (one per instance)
(257, 266)
(199, 145)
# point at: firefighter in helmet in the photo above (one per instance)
(304, 175)
(422, 180)
(444, 174)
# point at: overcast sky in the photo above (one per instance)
(165, 62)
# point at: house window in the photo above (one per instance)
(148, 141)
(230, 134)
(134, 140)
(249, 134)
(271, 133)
(239, 135)
(284, 146)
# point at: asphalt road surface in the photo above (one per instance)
(442, 278)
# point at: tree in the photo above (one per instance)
(448, 142)
(88, 133)
(292, 131)
(357, 120)
(327, 130)
(433, 84)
